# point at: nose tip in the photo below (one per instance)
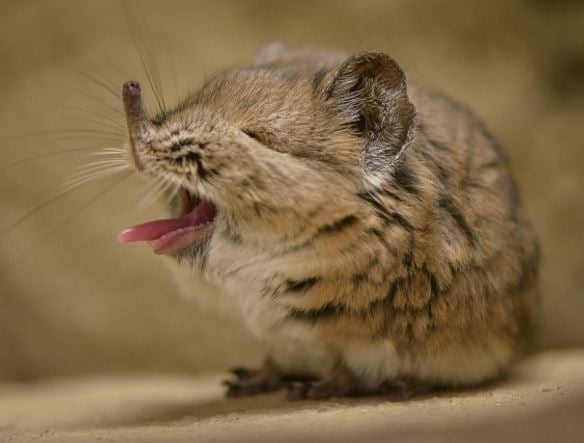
(131, 87)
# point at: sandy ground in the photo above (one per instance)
(180, 408)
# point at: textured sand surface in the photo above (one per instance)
(181, 408)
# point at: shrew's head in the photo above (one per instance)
(272, 153)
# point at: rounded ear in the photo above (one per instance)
(370, 91)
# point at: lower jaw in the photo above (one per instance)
(182, 240)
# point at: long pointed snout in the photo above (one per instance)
(136, 118)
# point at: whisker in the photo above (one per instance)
(101, 162)
(43, 155)
(72, 216)
(61, 134)
(162, 187)
(171, 194)
(116, 123)
(111, 107)
(153, 66)
(83, 172)
(86, 177)
(120, 155)
(96, 166)
(93, 172)
(14, 225)
(101, 82)
(114, 129)
(150, 195)
(154, 83)
(89, 131)
(86, 137)
(55, 136)
(169, 189)
(96, 170)
(8, 142)
(110, 151)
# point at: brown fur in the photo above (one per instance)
(381, 212)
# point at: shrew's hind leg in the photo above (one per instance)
(340, 383)
(268, 378)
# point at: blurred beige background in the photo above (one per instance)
(73, 301)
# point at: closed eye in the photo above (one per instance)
(252, 134)
(264, 137)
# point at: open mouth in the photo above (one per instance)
(167, 236)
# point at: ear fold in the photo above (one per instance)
(370, 92)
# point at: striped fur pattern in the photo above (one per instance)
(363, 223)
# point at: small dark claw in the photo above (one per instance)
(298, 390)
(340, 383)
(236, 389)
(253, 381)
(233, 390)
(316, 390)
(399, 393)
(325, 391)
(402, 390)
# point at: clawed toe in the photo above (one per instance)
(404, 389)
(298, 390)
(316, 390)
(269, 378)
(339, 383)
(253, 381)
(238, 388)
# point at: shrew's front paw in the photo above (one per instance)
(340, 383)
(268, 378)
(322, 390)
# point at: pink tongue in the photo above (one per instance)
(202, 214)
